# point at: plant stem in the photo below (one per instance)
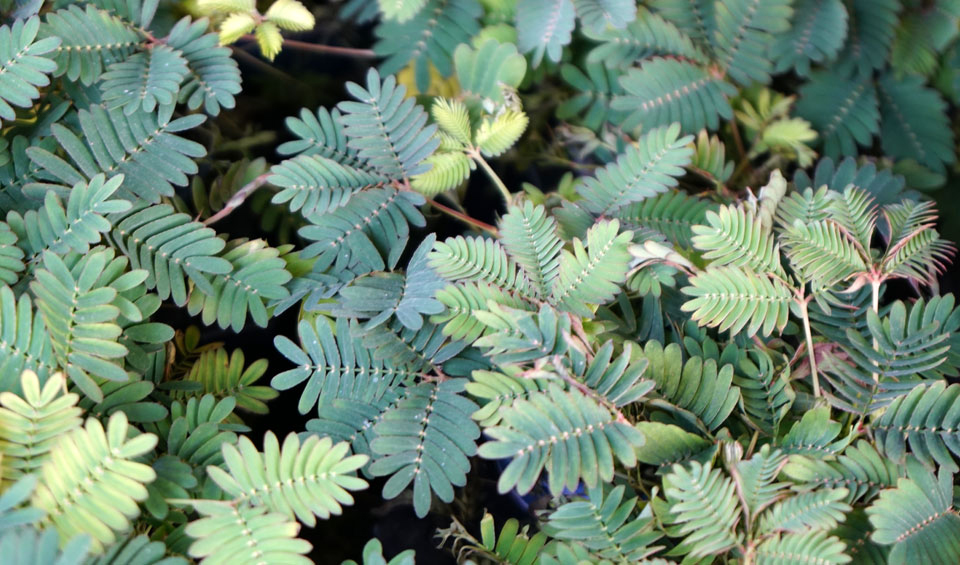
(325, 49)
(738, 141)
(238, 198)
(476, 156)
(469, 220)
(875, 292)
(811, 353)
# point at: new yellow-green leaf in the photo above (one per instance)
(495, 136)
(453, 119)
(236, 26)
(290, 15)
(269, 40)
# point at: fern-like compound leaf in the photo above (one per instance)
(307, 480)
(72, 229)
(258, 274)
(463, 299)
(926, 421)
(141, 146)
(172, 248)
(335, 364)
(145, 80)
(870, 33)
(91, 39)
(820, 510)
(672, 213)
(710, 157)
(736, 299)
(453, 118)
(735, 236)
(755, 479)
(913, 125)
(856, 212)
(213, 78)
(818, 32)
(25, 66)
(447, 171)
(544, 27)
(806, 547)
(408, 297)
(316, 185)
(529, 234)
(32, 422)
(646, 36)
(618, 381)
(428, 38)
(226, 377)
(765, 389)
(516, 335)
(373, 225)
(236, 534)
(744, 34)
(843, 109)
(387, 128)
(426, 440)
(479, 259)
(565, 433)
(24, 341)
(320, 133)
(498, 134)
(697, 385)
(499, 390)
(822, 253)
(594, 91)
(590, 274)
(80, 313)
(91, 482)
(703, 503)
(644, 170)
(663, 91)
(917, 517)
(861, 470)
(605, 524)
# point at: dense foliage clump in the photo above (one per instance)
(668, 271)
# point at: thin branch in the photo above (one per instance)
(469, 220)
(744, 159)
(812, 354)
(325, 49)
(238, 198)
(474, 154)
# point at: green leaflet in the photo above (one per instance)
(317, 475)
(544, 27)
(528, 435)
(687, 85)
(431, 452)
(909, 516)
(25, 67)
